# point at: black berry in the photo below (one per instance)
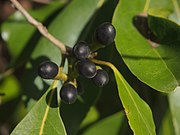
(48, 70)
(81, 50)
(105, 33)
(68, 93)
(80, 88)
(87, 68)
(101, 78)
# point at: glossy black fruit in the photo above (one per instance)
(101, 78)
(80, 88)
(105, 34)
(68, 93)
(81, 50)
(87, 68)
(48, 70)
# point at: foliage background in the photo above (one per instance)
(153, 73)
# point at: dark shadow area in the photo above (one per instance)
(98, 18)
(73, 114)
(125, 128)
(5, 56)
(29, 87)
(108, 101)
(7, 109)
(140, 22)
(51, 98)
(2, 94)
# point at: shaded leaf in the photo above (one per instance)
(167, 125)
(174, 101)
(91, 116)
(137, 52)
(107, 126)
(10, 89)
(44, 118)
(167, 32)
(17, 23)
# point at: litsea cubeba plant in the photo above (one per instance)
(94, 67)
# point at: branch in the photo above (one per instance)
(42, 29)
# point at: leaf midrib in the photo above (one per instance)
(52, 87)
(116, 72)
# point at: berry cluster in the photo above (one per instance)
(80, 59)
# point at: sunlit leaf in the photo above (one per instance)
(44, 118)
(107, 126)
(142, 59)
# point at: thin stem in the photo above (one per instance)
(146, 6)
(100, 62)
(177, 9)
(61, 75)
(42, 29)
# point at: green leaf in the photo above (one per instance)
(107, 126)
(144, 61)
(159, 12)
(137, 111)
(174, 101)
(168, 33)
(161, 4)
(91, 116)
(17, 23)
(167, 125)
(44, 118)
(9, 87)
